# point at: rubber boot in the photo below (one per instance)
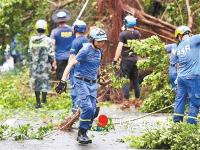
(44, 97)
(82, 137)
(37, 95)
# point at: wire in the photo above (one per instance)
(143, 116)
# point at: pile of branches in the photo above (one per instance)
(112, 83)
(106, 91)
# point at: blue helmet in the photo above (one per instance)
(98, 34)
(130, 21)
(79, 26)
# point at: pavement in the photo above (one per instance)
(59, 140)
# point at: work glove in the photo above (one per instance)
(61, 87)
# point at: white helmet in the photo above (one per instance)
(98, 34)
(41, 24)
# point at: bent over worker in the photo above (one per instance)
(86, 71)
(188, 78)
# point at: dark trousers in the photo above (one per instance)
(61, 64)
(129, 69)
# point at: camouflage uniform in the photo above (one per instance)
(40, 52)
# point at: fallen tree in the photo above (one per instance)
(112, 13)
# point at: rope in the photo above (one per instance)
(143, 116)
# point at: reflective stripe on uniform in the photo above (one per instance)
(84, 120)
(192, 117)
(176, 114)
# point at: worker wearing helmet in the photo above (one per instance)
(188, 78)
(128, 65)
(87, 63)
(79, 28)
(62, 37)
(40, 52)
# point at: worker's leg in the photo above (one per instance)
(73, 94)
(125, 71)
(194, 99)
(193, 112)
(37, 96)
(172, 77)
(93, 98)
(87, 111)
(37, 88)
(134, 81)
(180, 101)
(44, 97)
(61, 64)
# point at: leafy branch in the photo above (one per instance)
(156, 84)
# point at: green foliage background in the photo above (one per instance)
(19, 16)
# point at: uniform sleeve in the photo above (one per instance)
(82, 54)
(122, 38)
(138, 35)
(51, 51)
(74, 47)
(52, 36)
(169, 47)
(30, 49)
(30, 45)
(176, 57)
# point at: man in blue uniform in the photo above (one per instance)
(79, 28)
(86, 70)
(62, 37)
(171, 49)
(188, 79)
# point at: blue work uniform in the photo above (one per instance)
(77, 44)
(86, 82)
(188, 79)
(171, 49)
(63, 37)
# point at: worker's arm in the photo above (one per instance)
(71, 63)
(54, 64)
(71, 57)
(118, 51)
(30, 51)
(61, 87)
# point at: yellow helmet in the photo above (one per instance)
(41, 24)
(181, 30)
